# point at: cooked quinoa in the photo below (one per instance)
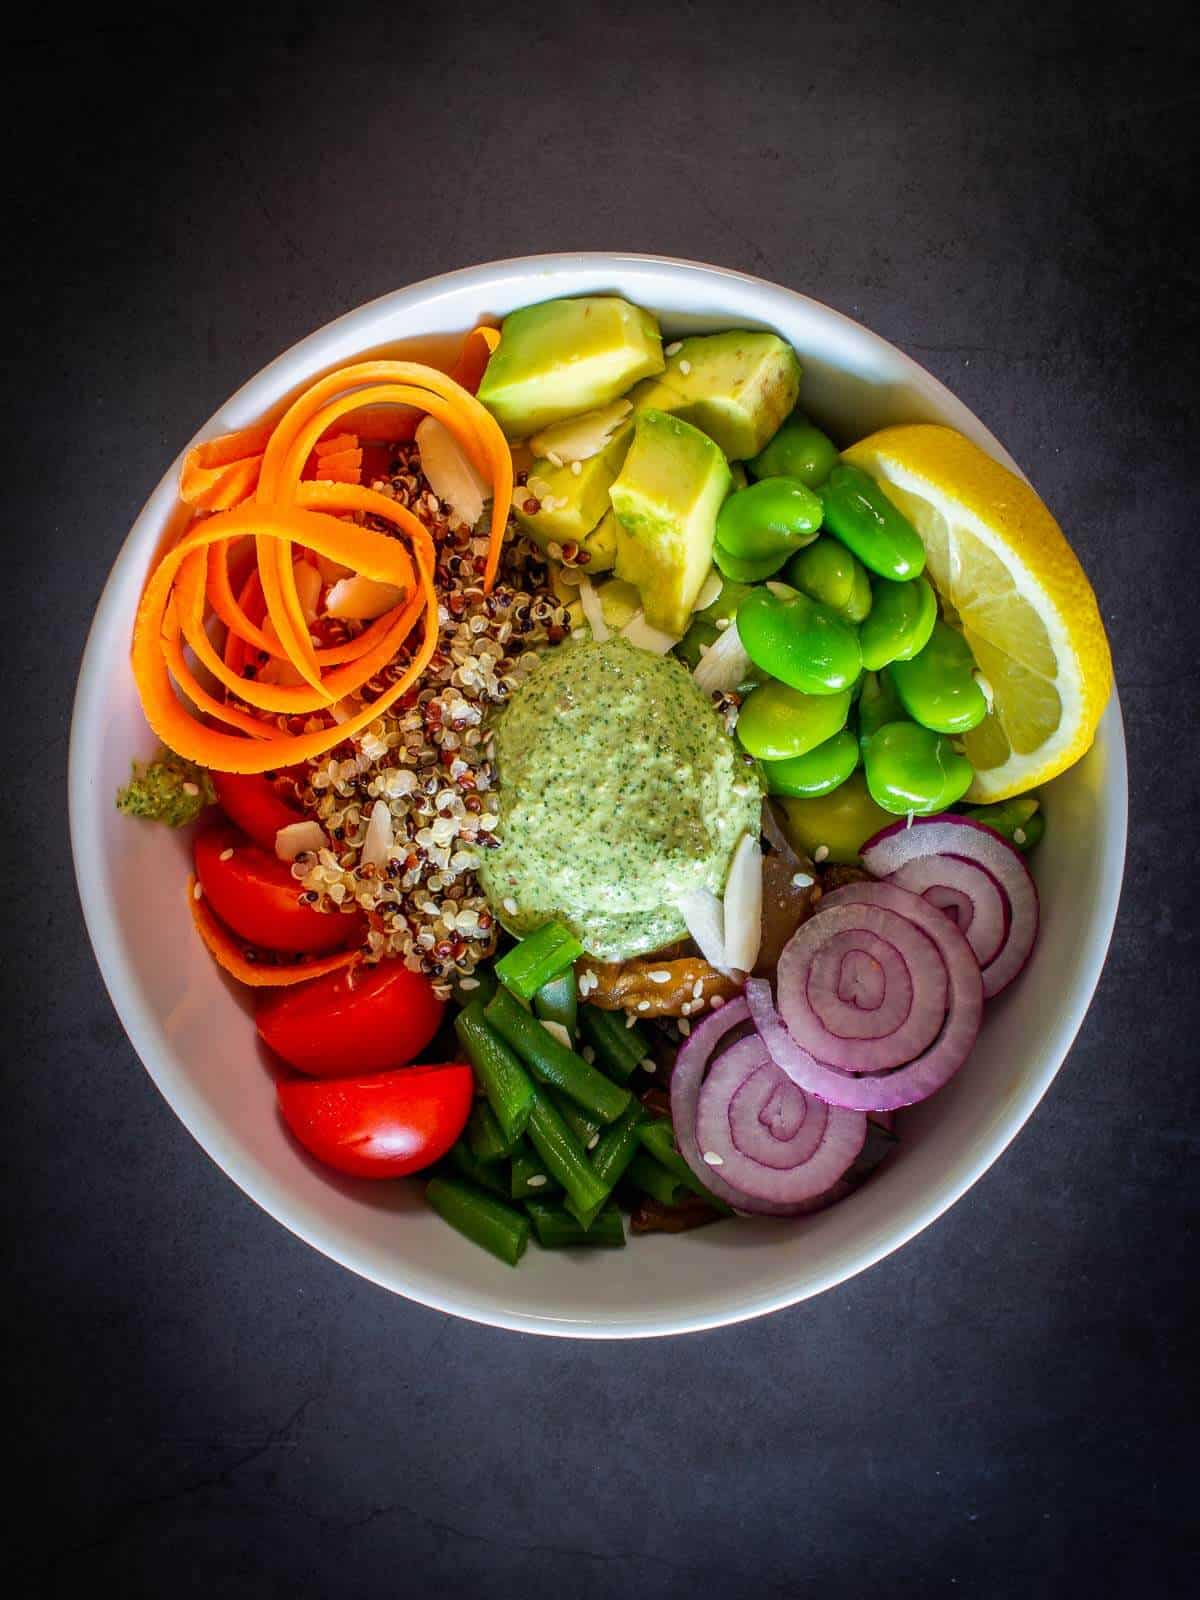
(428, 761)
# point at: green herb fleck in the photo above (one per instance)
(167, 789)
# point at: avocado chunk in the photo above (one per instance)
(735, 387)
(666, 498)
(565, 356)
(573, 505)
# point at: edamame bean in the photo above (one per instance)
(937, 687)
(901, 621)
(739, 570)
(777, 514)
(707, 625)
(912, 769)
(819, 771)
(777, 722)
(828, 572)
(1019, 820)
(878, 704)
(859, 514)
(799, 641)
(798, 450)
(835, 826)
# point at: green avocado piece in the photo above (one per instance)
(736, 387)
(572, 505)
(562, 357)
(666, 498)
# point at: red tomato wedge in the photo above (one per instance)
(380, 1126)
(255, 894)
(331, 1027)
(252, 802)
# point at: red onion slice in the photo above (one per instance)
(877, 945)
(959, 838)
(966, 893)
(771, 1141)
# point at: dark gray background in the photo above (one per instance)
(200, 1404)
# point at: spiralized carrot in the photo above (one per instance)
(261, 973)
(285, 512)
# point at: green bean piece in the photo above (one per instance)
(819, 771)
(646, 1174)
(480, 985)
(799, 641)
(828, 572)
(901, 621)
(504, 1079)
(558, 1001)
(480, 1217)
(777, 722)
(467, 1165)
(619, 1048)
(486, 1137)
(552, 1062)
(529, 1179)
(937, 687)
(544, 955)
(658, 1139)
(776, 514)
(1018, 820)
(912, 769)
(859, 513)
(834, 827)
(586, 1128)
(797, 450)
(557, 1229)
(740, 570)
(878, 704)
(564, 1157)
(617, 1147)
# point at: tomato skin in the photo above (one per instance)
(381, 1126)
(329, 1027)
(252, 803)
(255, 894)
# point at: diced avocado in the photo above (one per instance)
(619, 601)
(666, 498)
(601, 543)
(573, 504)
(565, 356)
(736, 387)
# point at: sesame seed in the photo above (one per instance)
(630, 1020)
(468, 983)
(643, 1005)
(684, 1026)
(685, 367)
(697, 988)
(821, 853)
(1019, 836)
(509, 905)
(673, 348)
(648, 1064)
(192, 789)
(802, 880)
(576, 468)
(713, 1159)
(659, 976)
(197, 892)
(685, 1009)
(717, 1001)
(226, 854)
(537, 1181)
(593, 1142)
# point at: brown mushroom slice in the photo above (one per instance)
(790, 892)
(652, 987)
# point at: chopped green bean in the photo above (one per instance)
(619, 1048)
(485, 1135)
(529, 1179)
(536, 960)
(646, 1174)
(617, 1147)
(468, 1166)
(585, 1128)
(480, 1217)
(504, 1079)
(558, 1001)
(658, 1137)
(557, 1229)
(552, 1062)
(564, 1156)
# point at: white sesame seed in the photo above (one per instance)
(684, 1026)
(508, 904)
(685, 367)
(648, 1064)
(717, 1001)
(713, 1159)
(659, 976)
(685, 1009)
(197, 892)
(643, 1005)
(821, 852)
(226, 854)
(557, 1031)
(802, 880)
(1019, 836)
(553, 456)
(192, 789)
(468, 983)
(630, 1020)
(576, 468)
(593, 1142)
(673, 348)
(536, 1181)
(697, 988)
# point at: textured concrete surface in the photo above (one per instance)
(201, 1405)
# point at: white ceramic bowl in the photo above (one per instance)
(194, 1032)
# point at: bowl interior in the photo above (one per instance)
(193, 1030)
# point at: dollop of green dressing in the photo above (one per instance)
(619, 790)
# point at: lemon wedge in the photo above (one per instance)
(1010, 582)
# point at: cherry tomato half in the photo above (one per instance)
(382, 1018)
(380, 1126)
(255, 894)
(253, 803)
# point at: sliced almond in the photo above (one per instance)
(361, 599)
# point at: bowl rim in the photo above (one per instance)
(143, 1027)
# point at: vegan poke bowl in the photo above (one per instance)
(614, 799)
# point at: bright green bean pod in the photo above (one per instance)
(552, 1062)
(528, 1178)
(658, 1138)
(797, 450)
(480, 1217)
(937, 687)
(834, 827)
(544, 955)
(587, 1129)
(504, 1079)
(619, 1048)
(819, 771)
(828, 572)
(474, 1171)
(777, 723)
(648, 1175)
(740, 570)
(564, 1157)
(486, 1137)
(557, 1229)
(859, 513)
(799, 641)
(1018, 820)
(774, 515)
(878, 704)
(617, 1147)
(558, 1001)
(901, 621)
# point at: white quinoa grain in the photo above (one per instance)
(821, 853)
(673, 348)
(684, 1026)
